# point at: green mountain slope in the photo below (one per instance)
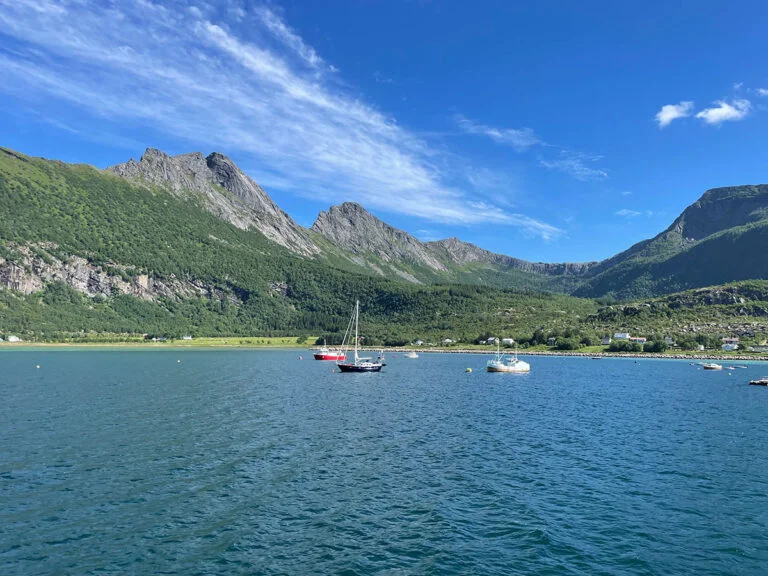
(720, 238)
(85, 250)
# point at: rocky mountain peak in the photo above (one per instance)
(722, 208)
(223, 189)
(352, 228)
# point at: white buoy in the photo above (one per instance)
(38, 366)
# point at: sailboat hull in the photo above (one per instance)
(360, 367)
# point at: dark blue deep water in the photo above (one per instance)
(253, 462)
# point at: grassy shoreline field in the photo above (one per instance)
(292, 343)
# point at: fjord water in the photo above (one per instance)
(256, 462)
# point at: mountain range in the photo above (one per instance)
(696, 250)
(153, 228)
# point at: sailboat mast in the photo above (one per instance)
(357, 316)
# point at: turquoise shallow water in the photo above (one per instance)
(253, 462)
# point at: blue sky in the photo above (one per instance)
(550, 131)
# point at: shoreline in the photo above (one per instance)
(676, 356)
(224, 345)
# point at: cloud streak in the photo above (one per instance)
(577, 165)
(211, 79)
(723, 111)
(670, 112)
(517, 138)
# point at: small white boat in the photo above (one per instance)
(505, 363)
(712, 366)
(760, 381)
(410, 354)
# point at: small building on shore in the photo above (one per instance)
(621, 336)
(13, 338)
(730, 344)
(552, 341)
(606, 341)
(186, 337)
(638, 339)
(509, 341)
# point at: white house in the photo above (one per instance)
(621, 336)
(509, 341)
(669, 341)
(700, 347)
(13, 338)
(638, 339)
(491, 340)
(447, 341)
(186, 337)
(606, 341)
(419, 343)
(730, 347)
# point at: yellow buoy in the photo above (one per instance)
(468, 370)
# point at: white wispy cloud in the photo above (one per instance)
(627, 213)
(517, 138)
(287, 36)
(762, 91)
(670, 112)
(204, 76)
(737, 109)
(577, 165)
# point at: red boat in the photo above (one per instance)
(325, 354)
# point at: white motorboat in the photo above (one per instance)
(507, 363)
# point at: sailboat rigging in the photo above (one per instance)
(359, 364)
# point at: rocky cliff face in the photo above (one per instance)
(31, 271)
(454, 250)
(222, 188)
(722, 208)
(352, 228)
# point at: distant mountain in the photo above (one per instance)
(373, 242)
(722, 237)
(386, 250)
(222, 189)
(463, 253)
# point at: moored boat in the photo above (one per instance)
(410, 354)
(359, 364)
(326, 353)
(712, 366)
(506, 363)
(760, 381)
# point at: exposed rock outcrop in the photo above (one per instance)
(31, 271)
(222, 188)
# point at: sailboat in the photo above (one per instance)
(359, 364)
(328, 354)
(504, 363)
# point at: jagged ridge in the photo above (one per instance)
(223, 189)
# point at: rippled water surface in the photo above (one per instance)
(253, 462)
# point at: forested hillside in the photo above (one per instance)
(83, 250)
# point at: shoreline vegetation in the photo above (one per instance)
(293, 343)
